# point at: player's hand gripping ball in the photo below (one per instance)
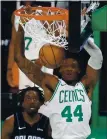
(51, 55)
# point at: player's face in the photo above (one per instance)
(31, 102)
(70, 70)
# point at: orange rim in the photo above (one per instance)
(62, 16)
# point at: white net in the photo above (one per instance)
(85, 18)
(40, 31)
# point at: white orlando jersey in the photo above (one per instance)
(69, 111)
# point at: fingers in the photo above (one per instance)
(38, 62)
(11, 84)
(84, 11)
(27, 9)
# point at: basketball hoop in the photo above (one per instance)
(45, 24)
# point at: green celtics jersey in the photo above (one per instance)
(69, 111)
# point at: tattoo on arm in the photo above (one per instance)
(31, 70)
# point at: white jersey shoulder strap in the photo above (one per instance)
(81, 86)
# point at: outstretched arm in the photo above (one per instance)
(11, 60)
(31, 70)
(93, 67)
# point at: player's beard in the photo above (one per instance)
(69, 82)
(32, 112)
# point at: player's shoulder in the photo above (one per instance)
(50, 80)
(8, 125)
(10, 118)
(80, 85)
(62, 82)
(43, 116)
(9, 121)
(44, 119)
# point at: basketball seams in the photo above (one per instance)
(53, 54)
(41, 55)
(45, 57)
(45, 62)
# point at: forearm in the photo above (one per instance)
(31, 70)
(19, 44)
(11, 46)
(11, 49)
(10, 56)
(95, 53)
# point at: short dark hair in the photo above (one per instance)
(75, 56)
(22, 93)
(81, 57)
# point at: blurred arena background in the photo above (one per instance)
(99, 106)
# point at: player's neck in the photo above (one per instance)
(31, 118)
(73, 83)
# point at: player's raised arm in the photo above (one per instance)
(93, 67)
(31, 70)
(11, 61)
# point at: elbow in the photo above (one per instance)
(99, 58)
(100, 55)
(18, 59)
(96, 61)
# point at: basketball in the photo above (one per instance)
(51, 55)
